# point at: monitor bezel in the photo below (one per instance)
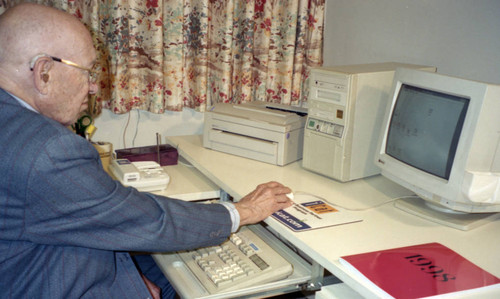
(445, 192)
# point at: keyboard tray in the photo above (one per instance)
(268, 273)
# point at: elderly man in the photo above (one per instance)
(65, 225)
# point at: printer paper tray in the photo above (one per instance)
(188, 286)
(245, 146)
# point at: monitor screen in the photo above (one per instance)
(425, 128)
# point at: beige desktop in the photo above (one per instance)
(383, 226)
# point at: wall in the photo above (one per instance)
(139, 128)
(459, 37)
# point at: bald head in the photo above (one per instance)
(30, 29)
(31, 36)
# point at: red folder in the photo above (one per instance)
(419, 271)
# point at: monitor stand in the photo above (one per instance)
(444, 216)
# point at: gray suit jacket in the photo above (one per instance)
(66, 226)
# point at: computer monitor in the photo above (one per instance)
(440, 138)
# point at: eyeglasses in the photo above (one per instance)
(93, 72)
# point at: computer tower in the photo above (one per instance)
(345, 109)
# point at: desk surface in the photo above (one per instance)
(383, 226)
(187, 183)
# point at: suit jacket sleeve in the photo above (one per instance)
(71, 200)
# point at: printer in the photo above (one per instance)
(267, 132)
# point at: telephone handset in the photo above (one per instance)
(143, 175)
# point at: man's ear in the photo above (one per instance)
(41, 74)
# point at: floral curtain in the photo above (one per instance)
(159, 55)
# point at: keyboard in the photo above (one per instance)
(242, 261)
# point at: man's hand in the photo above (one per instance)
(263, 201)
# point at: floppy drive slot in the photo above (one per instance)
(246, 146)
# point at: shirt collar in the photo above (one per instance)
(23, 103)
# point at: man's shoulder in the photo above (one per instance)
(26, 127)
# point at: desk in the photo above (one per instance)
(187, 183)
(382, 227)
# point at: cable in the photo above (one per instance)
(350, 209)
(136, 126)
(125, 130)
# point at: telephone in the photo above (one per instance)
(143, 175)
